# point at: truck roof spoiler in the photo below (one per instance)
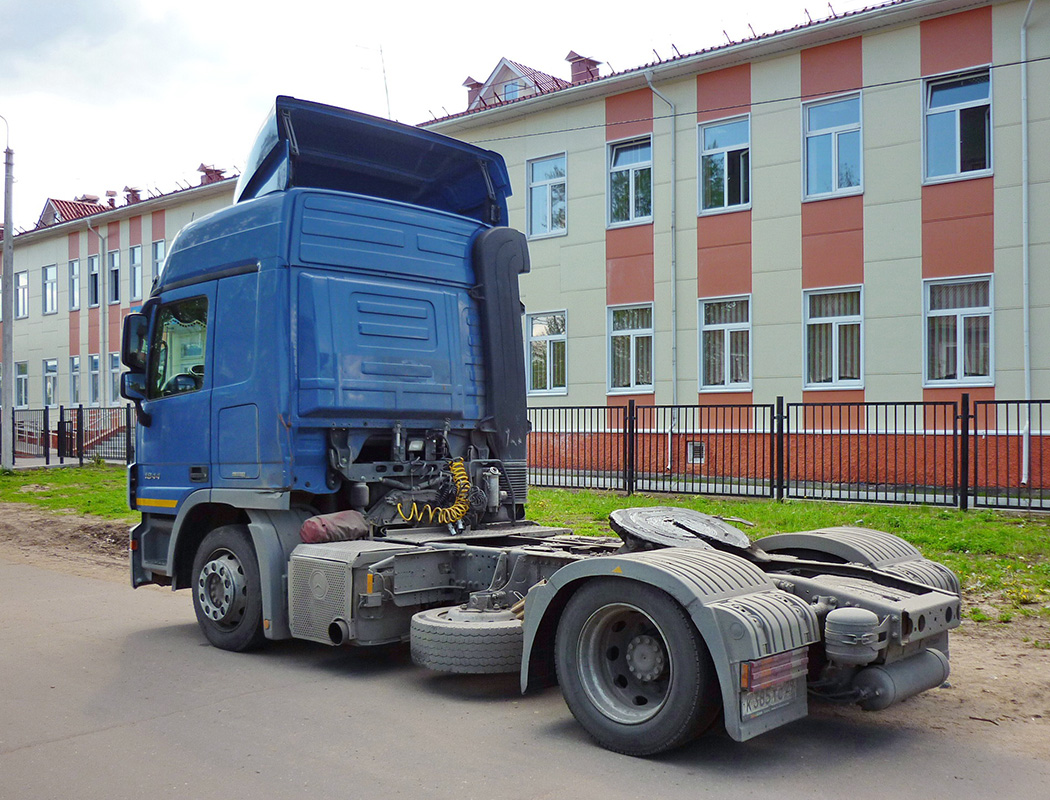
(314, 145)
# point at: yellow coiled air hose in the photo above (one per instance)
(453, 513)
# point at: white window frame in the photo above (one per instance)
(113, 277)
(927, 87)
(547, 340)
(21, 294)
(94, 281)
(21, 384)
(49, 384)
(633, 334)
(74, 380)
(94, 380)
(549, 185)
(114, 376)
(702, 327)
(632, 170)
(74, 284)
(835, 132)
(49, 289)
(157, 252)
(701, 153)
(960, 315)
(836, 323)
(135, 271)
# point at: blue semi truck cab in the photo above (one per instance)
(329, 382)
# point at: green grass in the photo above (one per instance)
(1005, 555)
(97, 490)
(1002, 557)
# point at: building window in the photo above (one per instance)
(834, 347)
(49, 276)
(21, 295)
(114, 276)
(547, 208)
(631, 182)
(50, 381)
(114, 376)
(93, 281)
(511, 90)
(21, 384)
(94, 387)
(547, 341)
(725, 343)
(725, 164)
(74, 284)
(832, 151)
(74, 380)
(631, 348)
(158, 257)
(959, 331)
(958, 125)
(135, 271)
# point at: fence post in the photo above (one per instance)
(963, 483)
(61, 434)
(14, 438)
(80, 433)
(779, 445)
(127, 433)
(631, 432)
(47, 435)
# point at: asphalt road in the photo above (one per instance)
(106, 692)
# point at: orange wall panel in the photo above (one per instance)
(832, 68)
(724, 93)
(956, 41)
(629, 114)
(135, 231)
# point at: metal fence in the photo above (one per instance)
(80, 434)
(989, 454)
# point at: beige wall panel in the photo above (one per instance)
(891, 232)
(777, 246)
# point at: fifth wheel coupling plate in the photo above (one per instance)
(676, 527)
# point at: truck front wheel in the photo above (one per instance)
(633, 669)
(226, 589)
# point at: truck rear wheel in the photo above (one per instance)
(226, 589)
(633, 669)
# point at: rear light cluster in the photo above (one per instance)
(773, 670)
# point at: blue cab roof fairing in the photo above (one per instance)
(313, 145)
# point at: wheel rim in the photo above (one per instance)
(221, 589)
(624, 664)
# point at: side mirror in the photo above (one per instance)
(133, 344)
(133, 388)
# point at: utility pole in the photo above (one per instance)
(7, 397)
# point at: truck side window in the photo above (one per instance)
(176, 361)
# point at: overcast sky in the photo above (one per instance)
(106, 94)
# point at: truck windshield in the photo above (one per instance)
(176, 361)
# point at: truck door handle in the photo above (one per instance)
(198, 474)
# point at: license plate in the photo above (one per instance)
(752, 704)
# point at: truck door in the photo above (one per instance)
(174, 459)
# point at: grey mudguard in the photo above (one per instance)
(275, 533)
(738, 611)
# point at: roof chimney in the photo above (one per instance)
(210, 174)
(86, 198)
(111, 198)
(473, 89)
(132, 195)
(583, 68)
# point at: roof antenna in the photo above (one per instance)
(657, 55)
(833, 11)
(446, 111)
(432, 114)
(676, 50)
(808, 16)
(753, 34)
(727, 36)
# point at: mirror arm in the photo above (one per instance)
(145, 419)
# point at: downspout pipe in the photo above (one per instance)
(674, 259)
(1026, 249)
